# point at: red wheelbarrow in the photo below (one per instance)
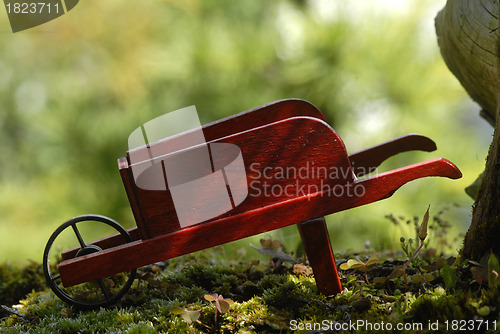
(296, 171)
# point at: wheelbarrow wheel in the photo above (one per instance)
(102, 292)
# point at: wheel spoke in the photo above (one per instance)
(56, 277)
(79, 236)
(104, 289)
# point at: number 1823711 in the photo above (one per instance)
(32, 8)
(467, 325)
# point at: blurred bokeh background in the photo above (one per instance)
(72, 90)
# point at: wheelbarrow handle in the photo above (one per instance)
(367, 160)
(383, 185)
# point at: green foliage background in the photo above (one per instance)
(72, 90)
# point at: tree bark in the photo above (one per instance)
(484, 231)
(469, 38)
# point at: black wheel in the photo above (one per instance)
(72, 234)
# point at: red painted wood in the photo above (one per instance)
(316, 241)
(247, 223)
(269, 113)
(367, 160)
(287, 156)
(130, 190)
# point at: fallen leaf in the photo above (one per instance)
(211, 297)
(300, 269)
(493, 270)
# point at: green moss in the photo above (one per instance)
(264, 302)
(300, 299)
(16, 283)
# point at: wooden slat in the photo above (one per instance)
(130, 190)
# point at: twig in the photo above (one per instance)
(408, 262)
(201, 323)
(12, 311)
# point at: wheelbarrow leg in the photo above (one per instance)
(317, 245)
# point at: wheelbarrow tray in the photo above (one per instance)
(362, 162)
(286, 142)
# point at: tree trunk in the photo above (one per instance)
(469, 37)
(484, 231)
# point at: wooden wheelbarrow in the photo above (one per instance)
(296, 171)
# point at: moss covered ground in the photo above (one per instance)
(440, 295)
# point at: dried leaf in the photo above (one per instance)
(155, 268)
(480, 274)
(66, 313)
(300, 269)
(211, 297)
(223, 305)
(493, 270)
(422, 232)
(270, 243)
(475, 263)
